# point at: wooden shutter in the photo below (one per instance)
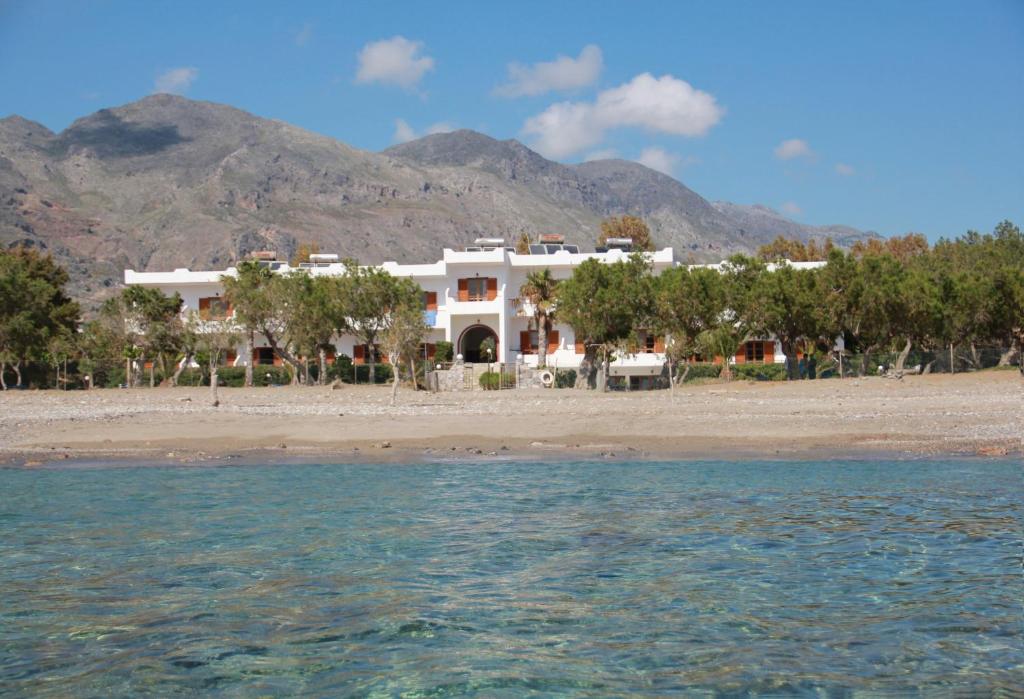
(204, 304)
(741, 354)
(229, 358)
(431, 350)
(524, 341)
(553, 341)
(769, 352)
(463, 290)
(277, 360)
(431, 300)
(580, 349)
(659, 344)
(492, 288)
(359, 354)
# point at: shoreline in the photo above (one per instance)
(931, 416)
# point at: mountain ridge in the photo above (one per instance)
(168, 182)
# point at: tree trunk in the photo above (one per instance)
(152, 374)
(902, 358)
(214, 380)
(606, 364)
(542, 343)
(975, 359)
(305, 371)
(928, 367)
(394, 382)
(671, 380)
(17, 372)
(952, 360)
(285, 354)
(686, 372)
(1006, 358)
(792, 361)
(248, 362)
(585, 376)
(412, 374)
(181, 367)
(3, 370)
(322, 376)
(128, 373)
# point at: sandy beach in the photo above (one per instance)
(964, 414)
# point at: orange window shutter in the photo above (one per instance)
(229, 357)
(277, 359)
(492, 288)
(359, 354)
(463, 290)
(524, 341)
(431, 350)
(204, 304)
(553, 341)
(769, 352)
(659, 344)
(741, 355)
(580, 349)
(431, 300)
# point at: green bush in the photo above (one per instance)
(493, 380)
(444, 351)
(702, 371)
(760, 372)
(565, 378)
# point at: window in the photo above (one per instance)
(755, 351)
(214, 308)
(648, 343)
(477, 289)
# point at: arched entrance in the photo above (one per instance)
(470, 341)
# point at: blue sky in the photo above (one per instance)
(890, 116)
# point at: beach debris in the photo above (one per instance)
(992, 451)
(186, 399)
(382, 445)
(337, 385)
(536, 444)
(282, 445)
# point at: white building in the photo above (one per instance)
(469, 295)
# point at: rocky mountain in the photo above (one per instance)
(168, 182)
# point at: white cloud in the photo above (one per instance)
(395, 60)
(303, 36)
(664, 105)
(563, 73)
(405, 133)
(845, 170)
(603, 154)
(440, 127)
(791, 208)
(175, 81)
(658, 159)
(793, 148)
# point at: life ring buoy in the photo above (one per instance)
(547, 378)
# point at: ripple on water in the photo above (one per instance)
(513, 579)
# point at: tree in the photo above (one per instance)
(259, 299)
(523, 244)
(34, 309)
(370, 294)
(539, 291)
(687, 302)
(303, 252)
(788, 303)
(309, 315)
(155, 320)
(783, 248)
(627, 227)
(211, 340)
(606, 304)
(902, 248)
(404, 330)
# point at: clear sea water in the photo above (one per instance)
(507, 579)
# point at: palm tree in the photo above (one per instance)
(539, 291)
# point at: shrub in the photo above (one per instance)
(444, 351)
(760, 372)
(493, 380)
(565, 378)
(702, 371)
